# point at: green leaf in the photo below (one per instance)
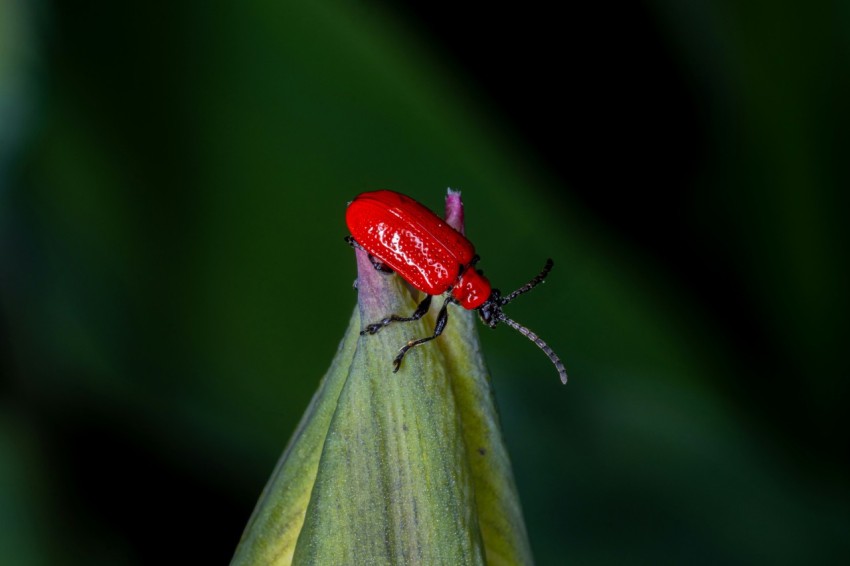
(273, 529)
(413, 468)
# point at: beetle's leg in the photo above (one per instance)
(376, 263)
(420, 311)
(379, 265)
(442, 319)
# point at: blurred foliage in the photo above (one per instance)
(174, 282)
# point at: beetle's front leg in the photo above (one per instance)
(420, 311)
(442, 319)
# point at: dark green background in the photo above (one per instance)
(173, 279)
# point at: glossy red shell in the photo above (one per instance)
(417, 244)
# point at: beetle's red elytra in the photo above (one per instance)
(402, 235)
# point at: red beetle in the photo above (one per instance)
(401, 235)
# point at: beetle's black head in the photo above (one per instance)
(491, 311)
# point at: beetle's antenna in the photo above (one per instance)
(538, 279)
(559, 365)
